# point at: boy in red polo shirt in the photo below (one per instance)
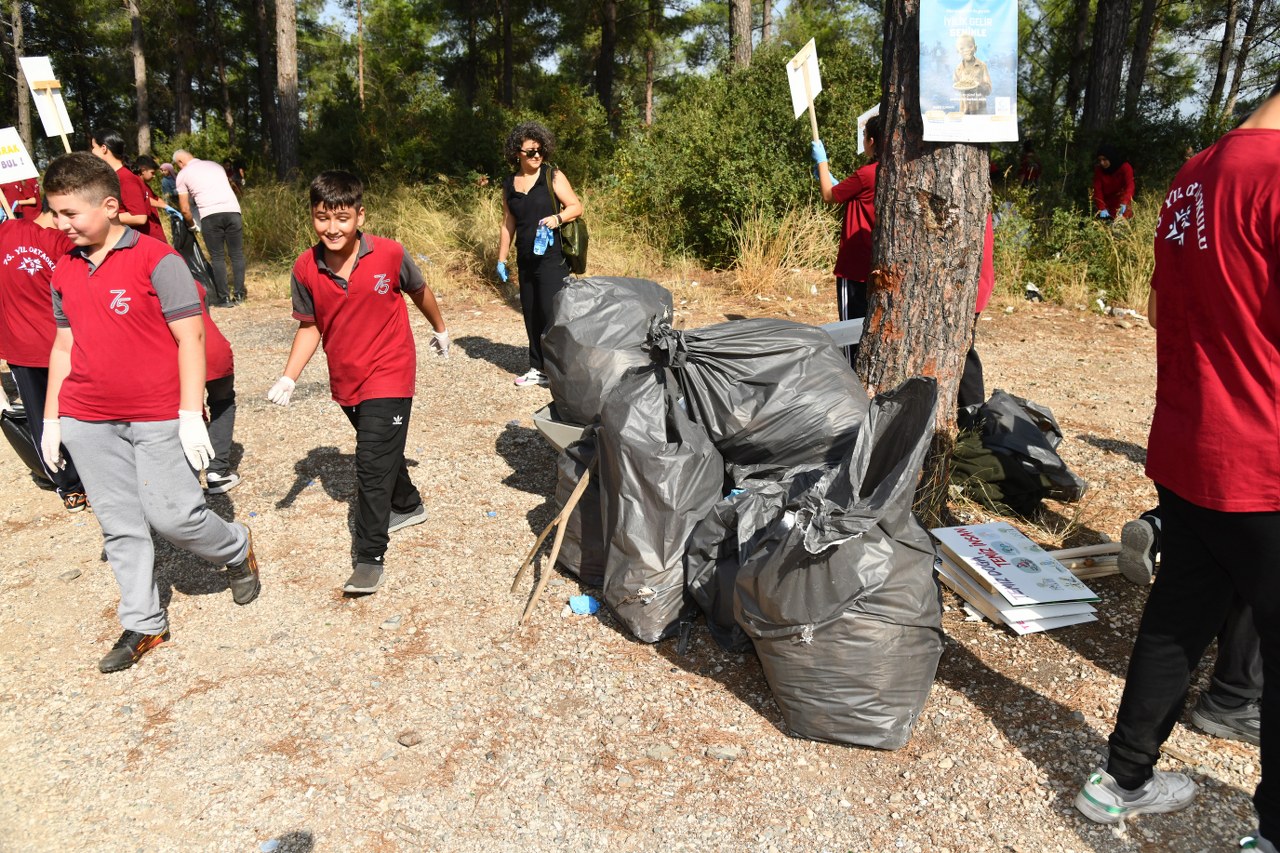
(135, 426)
(29, 249)
(347, 293)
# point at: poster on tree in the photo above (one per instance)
(969, 70)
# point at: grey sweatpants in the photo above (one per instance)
(137, 478)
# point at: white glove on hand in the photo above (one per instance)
(440, 343)
(51, 444)
(194, 436)
(281, 391)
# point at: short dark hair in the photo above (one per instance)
(80, 173)
(336, 188)
(112, 139)
(144, 161)
(533, 131)
(872, 129)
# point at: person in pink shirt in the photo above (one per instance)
(204, 185)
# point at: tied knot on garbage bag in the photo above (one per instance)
(666, 345)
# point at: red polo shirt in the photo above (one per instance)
(858, 194)
(28, 254)
(363, 323)
(134, 193)
(15, 190)
(124, 360)
(1215, 435)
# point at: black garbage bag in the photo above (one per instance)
(659, 475)
(186, 244)
(13, 422)
(1006, 456)
(765, 390)
(597, 331)
(582, 551)
(836, 586)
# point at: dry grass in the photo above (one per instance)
(776, 256)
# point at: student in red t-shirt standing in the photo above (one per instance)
(29, 249)
(135, 210)
(347, 292)
(1214, 457)
(126, 388)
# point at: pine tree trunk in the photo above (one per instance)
(1242, 55)
(1110, 34)
(650, 58)
(183, 63)
(1225, 52)
(228, 117)
(1145, 36)
(287, 88)
(1077, 70)
(508, 59)
(608, 51)
(138, 53)
(740, 32)
(266, 78)
(931, 206)
(20, 91)
(766, 22)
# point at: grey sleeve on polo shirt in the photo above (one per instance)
(304, 304)
(59, 318)
(176, 288)
(411, 280)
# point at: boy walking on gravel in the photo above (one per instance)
(347, 294)
(126, 393)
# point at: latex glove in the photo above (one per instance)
(1122, 209)
(281, 391)
(1102, 214)
(818, 152)
(51, 444)
(170, 209)
(194, 436)
(440, 343)
(502, 271)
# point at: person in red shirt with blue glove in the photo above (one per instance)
(1112, 185)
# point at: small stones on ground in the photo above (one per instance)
(725, 752)
(661, 752)
(409, 737)
(393, 623)
(70, 575)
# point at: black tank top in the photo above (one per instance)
(529, 209)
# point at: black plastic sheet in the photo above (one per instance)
(582, 551)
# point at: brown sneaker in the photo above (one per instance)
(243, 578)
(75, 501)
(129, 649)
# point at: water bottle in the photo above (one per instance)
(541, 240)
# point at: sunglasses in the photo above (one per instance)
(531, 152)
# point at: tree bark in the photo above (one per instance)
(1225, 53)
(1143, 39)
(266, 78)
(228, 116)
(21, 93)
(1110, 32)
(931, 206)
(508, 60)
(1077, 70)
(360, 49)
(1242, 55)
(766, 22)
(650, 58)
(740, 32)
(139, 55)
(608, 54)
(183, 63)
(287, 88)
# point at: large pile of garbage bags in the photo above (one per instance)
(740, 470)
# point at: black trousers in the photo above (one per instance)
(221, 394)
(224, 235)
(851, 303)
(541, 278)
(1208, 558)
(383, 477)
(33, 387)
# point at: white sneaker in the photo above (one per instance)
(1102, 800)
(217, 485)
(532, 378)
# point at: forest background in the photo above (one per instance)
(673, 119)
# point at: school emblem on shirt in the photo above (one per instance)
(382, 283)
(30, 266)
(120, 304)
(1191, 215)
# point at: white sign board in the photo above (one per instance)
(804, 63)
(1001, 560)
(53, 111)
(15, 163)
(862, 125)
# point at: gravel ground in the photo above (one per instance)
(420, 718)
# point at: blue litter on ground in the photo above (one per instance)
(492, 513)
(583, 604)
(253, 515)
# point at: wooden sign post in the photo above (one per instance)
(46, 90)
(48, 87)
(802, 75)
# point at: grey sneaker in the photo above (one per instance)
(216, 484)
(1243, 723)
(1257, 842)
(1137, 552)
(365, 578)
(1102, 800)
(243, 577)
(401, 520)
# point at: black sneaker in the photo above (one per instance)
(1137, 552)
(401, 520)
(365, 578)
(1243, 723)
(243, 578)
(129, 649)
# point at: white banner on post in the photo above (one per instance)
(802, 76)
(969, 70)
(15, 163)
(53, 110)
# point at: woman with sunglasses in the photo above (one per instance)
(527, 205)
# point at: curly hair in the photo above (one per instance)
(533, 131)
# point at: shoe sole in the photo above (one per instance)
(1136, 538)
(362, 590)
(251, 562)
(1099, 813)
(222, 488)
(408, 522)
(142, 649)
(1210, 726)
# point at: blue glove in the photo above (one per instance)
(1102, 214)
(817, 151)
(1122, 209)
(502, 271)
(170, 210)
